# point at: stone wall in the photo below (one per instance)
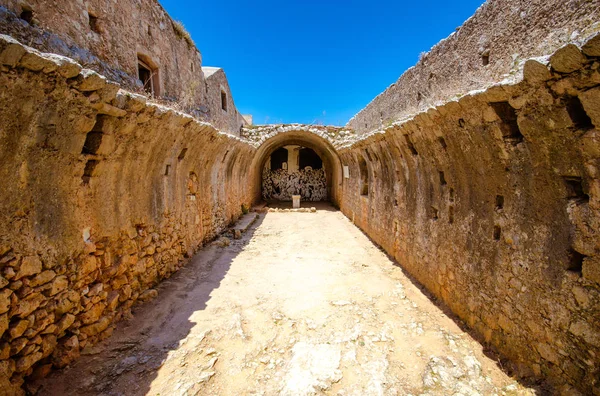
(492, 202)
(110, 37)
(489, 47)
(103, 195)
(228, 119)
(310, 184)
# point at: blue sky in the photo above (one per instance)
(314, 61)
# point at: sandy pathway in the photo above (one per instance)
(303, 304)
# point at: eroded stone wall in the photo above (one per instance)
(110, 38)
(492, 202)
(103, 195)
(489, 47)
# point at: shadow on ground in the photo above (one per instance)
(133, 356)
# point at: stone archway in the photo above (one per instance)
(307, 180)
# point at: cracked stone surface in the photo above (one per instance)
(302, 304)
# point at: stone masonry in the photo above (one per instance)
(478, 172)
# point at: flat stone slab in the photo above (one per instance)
(245, 222)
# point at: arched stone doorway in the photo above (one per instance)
(302, 162)
(294, 170)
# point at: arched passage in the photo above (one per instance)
(310, 153)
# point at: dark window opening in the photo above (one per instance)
(27, 15)
(278, 157)
(223, 100)
(364, 176)
(442, 179)
(461, 122)
(451, 195)
(451, 215)
(499, 202)
(410, 145)
(485, 59)
(434, 213)
(575, 263)
(88, 172)
(148, 75)
(167, 170)
(497, 232)
(577, 113)
(442, 142)
(308, 157)
(93, 139)
(93, 20)
(509, 127)
(182, 154)
(575, 192)
(419, 96)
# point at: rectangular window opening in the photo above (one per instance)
(499, 202)
(509, 127)
(497, 232)
(574, 187)
(575, 263)
(182, 154)
(167, 170)
(223, 100)
(442, 179)
(149, 78)
(577, 114)
(434, 213)
(93, 21)
(451, 214)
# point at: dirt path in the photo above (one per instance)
(303, 304)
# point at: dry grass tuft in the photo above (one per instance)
(182, 33)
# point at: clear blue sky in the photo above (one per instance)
(314, 60)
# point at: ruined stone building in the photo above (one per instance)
(478, 171)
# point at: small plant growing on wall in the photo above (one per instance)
(182, 33)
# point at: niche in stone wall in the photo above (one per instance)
(364, 176)
(278, 158)
(308, 157)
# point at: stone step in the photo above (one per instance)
(245, 222)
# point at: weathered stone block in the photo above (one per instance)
(42, 278)
(567, 59)
(18, 329)
(591, 269)
(91, 81)
(30, 265)
(592, 46)
(5, 300)
(536, 72)
(59, 284)
(590, 100)
(35, 62)
(11, 51)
